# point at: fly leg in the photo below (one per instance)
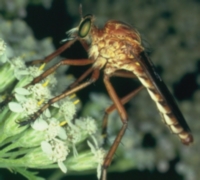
(58, 51)
(111, 108)
(95, 76)
(124, 100)
(74, 62)
(124, 118)
(54, 54)
(45, 61)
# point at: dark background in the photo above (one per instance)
(54, 22)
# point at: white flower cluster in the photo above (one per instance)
(54, 133)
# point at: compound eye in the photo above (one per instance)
(84, 27)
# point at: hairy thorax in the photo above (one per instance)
(115, 47)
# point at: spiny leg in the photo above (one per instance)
(74, 62)
(46, 60)
(54, 54)
(124, 100)
(83, 76)
(59, 51)
(124, 119)
(118, 73)
(67, 61)
(95, 76)
(111, 108)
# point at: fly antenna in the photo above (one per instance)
(81, 10)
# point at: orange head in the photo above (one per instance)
(113, 45)
(82, 31)
(86, 30)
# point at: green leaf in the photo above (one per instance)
(29, 175)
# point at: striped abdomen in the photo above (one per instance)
(144, 70)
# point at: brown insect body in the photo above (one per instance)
(118, 47)
(111, 46)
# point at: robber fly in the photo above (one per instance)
(116, 49)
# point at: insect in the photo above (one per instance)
(116, 49)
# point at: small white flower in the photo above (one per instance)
(40, 92)
(87, 124)
(30, 106)
(51, 128)
(34, 71)
(74, 135)
(57, 151)
(18, 63)
(52, 81)
(91, 126)
(60, 149)
(54, 129)
(67, 109)
(99, 155)
(20, 69)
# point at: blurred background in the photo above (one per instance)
(170, 32)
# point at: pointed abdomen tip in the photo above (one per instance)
(187, 140)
